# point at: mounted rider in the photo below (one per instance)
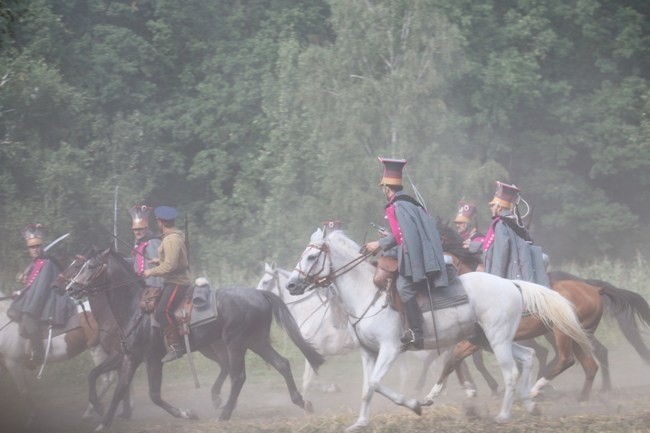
(508, 247)
(144, 251)
(421, 263)
(36, 305)
(173, 267)
(466, 222)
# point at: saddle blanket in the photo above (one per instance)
(200, 304)
(444, 297)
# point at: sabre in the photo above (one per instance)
(54, 242)
(190, 357)
(47, 349)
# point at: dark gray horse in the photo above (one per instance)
(244, 322)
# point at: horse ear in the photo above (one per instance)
(273, 265)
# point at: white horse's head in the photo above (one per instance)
(313, 267)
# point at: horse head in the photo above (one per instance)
(313, 268)
(89, 275)
(64, 278)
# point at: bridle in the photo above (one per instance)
(82, 287)
(86, 291)
(315, 279)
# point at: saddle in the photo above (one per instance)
(452, 295)
(199, 306)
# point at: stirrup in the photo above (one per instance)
(409, 341)
(173, 353)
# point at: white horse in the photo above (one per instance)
(321, 319)
(15, 351)
(323, 322)
(495, 304)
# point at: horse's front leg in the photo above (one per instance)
(109, 364)
(381, 365)
(368, 360)
(154, 376)
(129, 365)
(385, 360)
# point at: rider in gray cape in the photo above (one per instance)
(508, 248)
(36, 304)
(421, 263)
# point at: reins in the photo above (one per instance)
(334, 273)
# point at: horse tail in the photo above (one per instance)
(554, 310)
(628, 308)
(286, 321)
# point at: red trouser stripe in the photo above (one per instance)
(168, 310)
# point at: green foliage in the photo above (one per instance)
(264, 118)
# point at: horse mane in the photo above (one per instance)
(351, 248)
(117, 263)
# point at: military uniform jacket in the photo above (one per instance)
(509, 255)
(38, 299)
(174, 266)
(144, 250)
(414, 232)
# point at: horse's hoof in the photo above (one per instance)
(355, 428)
(417, 408)
(125, 415)
(309, 408)
(426, 402)
(502, 419)
(100, 427)
(216, 402)
(189, 414)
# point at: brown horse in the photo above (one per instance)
(590, 298)
(15, 351)
(589, 309)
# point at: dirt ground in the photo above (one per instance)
(264, 405)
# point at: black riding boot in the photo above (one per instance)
(38, 349)
(413, 338)
(174, 348)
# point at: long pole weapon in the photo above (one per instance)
(115, 218)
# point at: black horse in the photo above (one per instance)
(244, 322)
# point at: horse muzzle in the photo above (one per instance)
(297, 286)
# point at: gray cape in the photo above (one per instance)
(40, 301)
(420, 253)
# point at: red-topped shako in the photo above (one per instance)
(392, 171)
(140, 216)
(392, 177)
(33, 234)
(506, 195)
(466, 212)
(332, 225)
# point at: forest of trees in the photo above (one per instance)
(260, 119)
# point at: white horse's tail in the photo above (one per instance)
(554, 310)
